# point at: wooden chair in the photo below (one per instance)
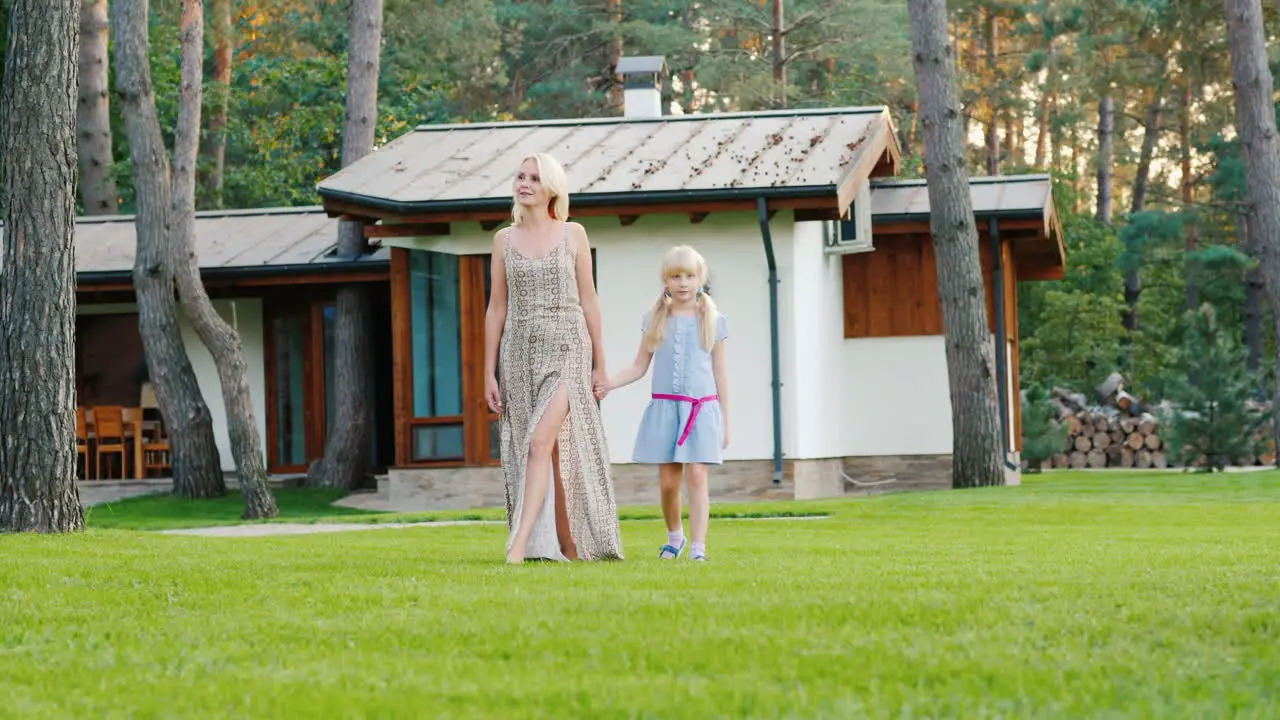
(82, 440)
(108, 425)
(155, 456)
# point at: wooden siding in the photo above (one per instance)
(893, 292)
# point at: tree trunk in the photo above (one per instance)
(1253, 294)
(1106, 141)
(1256, 124)
(346, 453)
(38, 296)
(1150, 136)
(977, 447)
(616, 96)
(993, 98)
(93, 113)
(1188, 194)
(220, 338)
(1042, 129)
(197, 467)
(779, 56)
(215, 148)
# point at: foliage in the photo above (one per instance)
(1211, 416)
(1070, 331)
(1042, 436)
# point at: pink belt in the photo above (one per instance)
(697, 407)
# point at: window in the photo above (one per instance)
(436, 353)
(289, 346)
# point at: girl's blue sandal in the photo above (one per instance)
(671, 552)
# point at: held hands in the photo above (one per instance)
(600, 383)
(493, 395)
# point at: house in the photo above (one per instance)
(821, 261)
(272, 275)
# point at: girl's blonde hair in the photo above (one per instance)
(551, 175)
(683, 258)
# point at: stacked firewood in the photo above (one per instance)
(1117, 430)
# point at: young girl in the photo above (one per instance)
(685, 426)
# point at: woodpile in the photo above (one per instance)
(1118, 431)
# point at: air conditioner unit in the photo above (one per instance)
(852, 234)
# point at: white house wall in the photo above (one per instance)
(628, 268)
(246, 316)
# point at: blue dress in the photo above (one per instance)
(682, 367)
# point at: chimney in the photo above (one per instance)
(642, 85)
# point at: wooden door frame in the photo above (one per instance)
(475, 415)
(311, 309)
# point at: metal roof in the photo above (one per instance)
(1001, 196)
(620, 161)
(282, 240)
(637, 64)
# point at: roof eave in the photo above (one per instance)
(881, 142)
(336, 267)
(620, 200)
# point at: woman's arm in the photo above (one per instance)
(495, 317)
(722, 384)
(587, 296)
(635, 370)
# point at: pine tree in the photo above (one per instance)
(1212, 419)
(1042, 435)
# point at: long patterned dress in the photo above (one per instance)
(544, 344)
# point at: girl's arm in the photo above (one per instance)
(722, 384)
(495, 317)
(634, 371)
(587, 296)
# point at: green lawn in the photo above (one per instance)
(1076, 595)
(166, 512)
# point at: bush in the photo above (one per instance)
(1211, 418)
(1042, 435)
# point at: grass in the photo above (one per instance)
(1076, 595)
(166, 512)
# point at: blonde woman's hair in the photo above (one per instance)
(551, 175)
(682, 258)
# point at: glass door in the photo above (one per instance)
(287, 351)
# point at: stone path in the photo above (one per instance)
(268, 529)
(271, 529)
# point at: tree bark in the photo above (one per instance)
(38, 295)
(221, 339)
(346, 454)
(1253, 295)
(977, 447)
(197, 467)
(779, 55)
(1256, 124)
(1188, 194)
(1106, 141)
(993, 96)
(615, 95)
(93, 113)
(215, 147)
(1150, 136)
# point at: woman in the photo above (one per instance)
(542, 333)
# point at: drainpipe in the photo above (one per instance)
(1002, 370)
(773, 339)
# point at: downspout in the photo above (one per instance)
(762, 204)
(1002, 369)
